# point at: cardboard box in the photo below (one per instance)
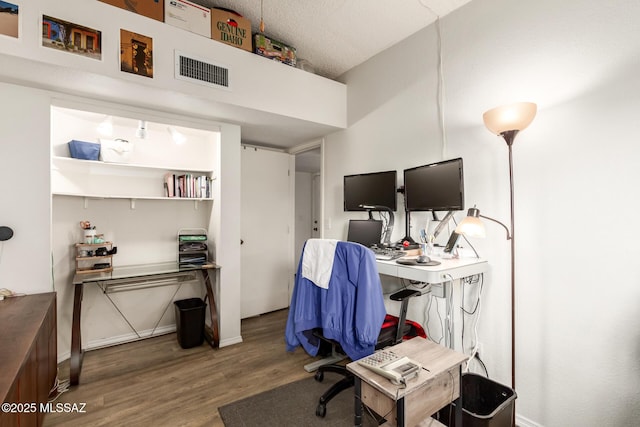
(150, 8)
(230, 28)
(273, 49)
(188, 16)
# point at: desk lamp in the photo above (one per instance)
(505, 121)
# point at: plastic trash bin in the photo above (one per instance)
(485, 403)
(190, 321)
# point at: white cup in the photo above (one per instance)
(89, 235)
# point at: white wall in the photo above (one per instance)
(25, 201)
(256, 83)
(575, 167)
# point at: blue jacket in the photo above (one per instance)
(350, 311)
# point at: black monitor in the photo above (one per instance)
(435, 187)
(372, 189)
(367, 232)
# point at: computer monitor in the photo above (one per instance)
(370, 189)
(435, 187)
(367, 232)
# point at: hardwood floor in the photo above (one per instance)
(154, 382)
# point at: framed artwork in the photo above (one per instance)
(73, 38)
(9, 17)
(136, 53)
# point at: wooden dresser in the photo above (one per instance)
(28, 357)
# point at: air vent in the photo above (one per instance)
(201, 72)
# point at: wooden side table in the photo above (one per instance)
(437, 385)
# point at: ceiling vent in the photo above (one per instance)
(201, 72)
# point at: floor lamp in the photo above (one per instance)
(505, 121)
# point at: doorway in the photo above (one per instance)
(308, 198)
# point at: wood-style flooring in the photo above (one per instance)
(154, 382)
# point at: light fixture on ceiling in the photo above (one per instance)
(177, 137)
(505, 121)
(141, 132)
(105, 128)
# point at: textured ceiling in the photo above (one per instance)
(336, 35)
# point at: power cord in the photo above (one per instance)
(58, 388)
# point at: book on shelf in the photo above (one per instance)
(187, 186)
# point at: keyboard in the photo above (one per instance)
(387, 254)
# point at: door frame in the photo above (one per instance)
(312, 145)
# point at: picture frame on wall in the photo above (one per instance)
(9, 19)
(136, 53)
(72, 38)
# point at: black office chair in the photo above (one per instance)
(354, 282)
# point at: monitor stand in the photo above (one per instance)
(407, 236)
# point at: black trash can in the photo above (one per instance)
(190, 322)
(485, 403)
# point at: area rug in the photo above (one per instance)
(293, 405)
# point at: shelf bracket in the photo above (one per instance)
(132, 204)
(86, 203)
(195, 205)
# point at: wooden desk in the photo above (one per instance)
(28, 357)
(138, 277)
(437, 385)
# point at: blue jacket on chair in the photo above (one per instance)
(350, 310)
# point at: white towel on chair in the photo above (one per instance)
(317, 261)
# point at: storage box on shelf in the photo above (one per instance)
(274, 49)
(88, 262)
(188, 16)
(231, 28)
(192, 247)
(150, 8)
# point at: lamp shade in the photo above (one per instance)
(472, 225)
(512, 117)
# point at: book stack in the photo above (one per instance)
(187, 185)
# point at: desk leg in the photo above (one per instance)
(357, 402)
(400, 412)
(213, 310)
(458, 401)
(75, 362)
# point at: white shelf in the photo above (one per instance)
(155, 160)
(98, 180)
(111, 196)
(96, 166)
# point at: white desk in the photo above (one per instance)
(445, 274)
(449, 269)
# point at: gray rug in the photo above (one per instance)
(293, 405)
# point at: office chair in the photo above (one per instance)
(337, 299)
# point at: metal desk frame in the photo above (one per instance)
(140, 274)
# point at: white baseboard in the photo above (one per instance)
(525, 422)
(120, 339)
(230, 341)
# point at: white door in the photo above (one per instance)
(316, 193)
(266, 230)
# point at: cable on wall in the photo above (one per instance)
(440, 87)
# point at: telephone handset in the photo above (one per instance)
(388, 364)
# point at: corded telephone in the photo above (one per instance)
(388, 364)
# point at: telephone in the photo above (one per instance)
(388, 364)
